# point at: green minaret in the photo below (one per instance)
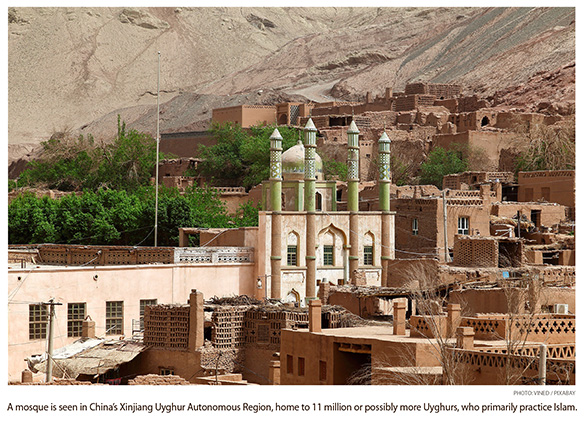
(384, 172)
(310, 206)
(276, 207)
(353, 196)
(384, 206)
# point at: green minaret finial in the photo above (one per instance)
(276, 170)
(309, 166)
(353, 167)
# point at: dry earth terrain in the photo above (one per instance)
(78, 68)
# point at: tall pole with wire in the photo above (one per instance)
(157, 152)
(51, 304)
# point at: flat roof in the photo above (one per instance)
(385, 333)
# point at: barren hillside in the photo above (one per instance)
(77, 68)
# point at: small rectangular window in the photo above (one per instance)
(289, 364)
(368, 255)
(166, 371)
(322, 371)
(37, 321)
(328, 257)
(292, 256)
(75, 316)
(415, 226)
(463, 225)
(301, 366)
(114, 317)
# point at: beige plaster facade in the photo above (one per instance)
(332, 232)
(94, 286)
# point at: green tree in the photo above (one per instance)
(67, 164)
(129, 161)
(441, 162)
(247, 215)
(241, 157)
(117, 217)
(334, 170)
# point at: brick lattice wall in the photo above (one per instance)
(167, 327)
(476, 252)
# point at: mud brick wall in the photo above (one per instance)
(319, 121)
(440, 90)
(411, 102)
(175, 167)
(476, 252)
(221, 359)
(167, 327)
(264, 327)
(426, 211)
(229, 327)
(381, 119)
(557, 275)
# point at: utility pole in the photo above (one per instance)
(518, 224)
(445, 212)
(51, 304)
(157, 152)
(542, 364)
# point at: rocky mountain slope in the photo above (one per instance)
(78, 68)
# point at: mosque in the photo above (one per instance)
(307, 239)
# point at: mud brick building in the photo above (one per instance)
(197, 339)
(288, 113)
(471, 180)
(420, 221)
(246, 115)
(481, 345)
(439, 90)
(549, 186)
(488, 252)
(494, 144)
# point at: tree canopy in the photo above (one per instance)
(112, 200)
(68, 164)
(241, 157)
(441, 162)
(118, 217)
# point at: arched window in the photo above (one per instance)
(292, 249)
(328, 249)
(331, 241)
(368, 243)
(318, 201)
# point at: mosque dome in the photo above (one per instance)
(293, 163)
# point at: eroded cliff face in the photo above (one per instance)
(78, 68)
